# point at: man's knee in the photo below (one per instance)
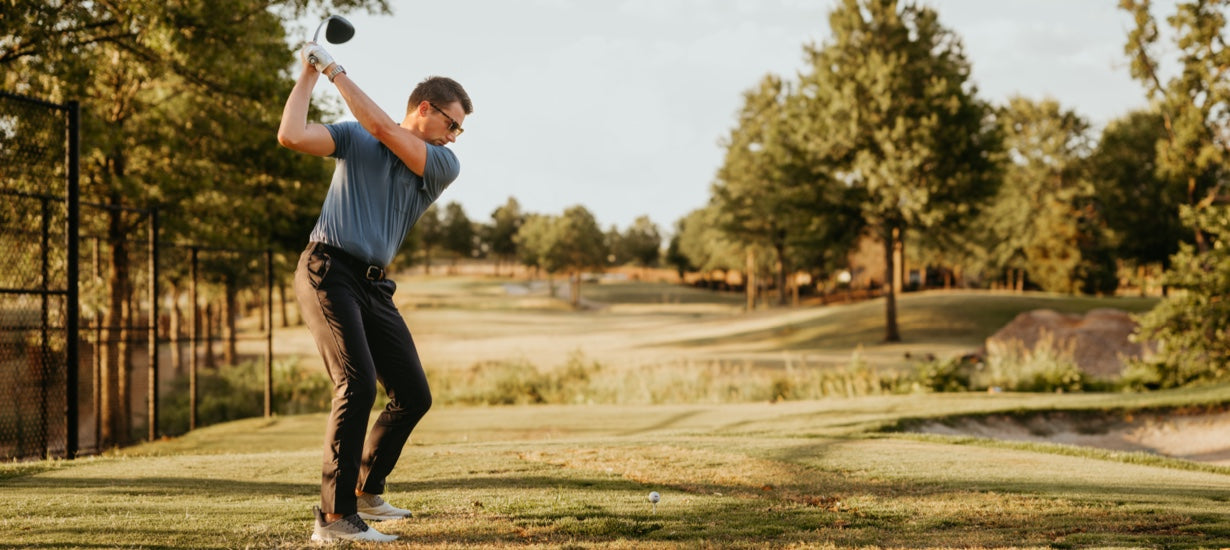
(356, 393)
(410, 409)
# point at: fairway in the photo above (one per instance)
(460, 321)
(757, 475)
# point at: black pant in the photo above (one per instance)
(362, 338)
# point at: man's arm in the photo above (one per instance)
(408, 147)
(294, 132)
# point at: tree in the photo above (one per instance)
(1192, 327)
(773, 194)
(428, 233)
(533, 240)
(642, 242)
(1193, 150)
(506, 220)
(172, 122)
(577, 245)
(572, 244)
(614, 241)
(1140, 208)
(890, 102)
(705, 246)
(1042, 221)
(457, 232)
(674, 253)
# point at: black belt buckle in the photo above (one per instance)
(374, 273)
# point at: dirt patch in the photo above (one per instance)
(1202, 436)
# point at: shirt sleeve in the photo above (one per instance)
(341, 137)
(441, 169)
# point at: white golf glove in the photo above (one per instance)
(316, 55)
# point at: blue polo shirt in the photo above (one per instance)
(374, 199)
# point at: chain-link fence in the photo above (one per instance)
(98, 319)
(38, 294)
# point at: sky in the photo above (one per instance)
(620, 105)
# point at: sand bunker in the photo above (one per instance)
(1201, 436)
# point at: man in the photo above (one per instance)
(387, 175)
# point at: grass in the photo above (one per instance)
(753, 475)
(832, 472)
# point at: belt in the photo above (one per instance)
(369, 271)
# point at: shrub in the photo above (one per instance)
(1192, 325)
(943, 375)
(1048, 367)
(238, 391)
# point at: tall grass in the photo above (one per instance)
(581, 380)
(238, 391)
(1049, 366)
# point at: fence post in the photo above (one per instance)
(195, 330)
(72, 304)
(153, 325)
(44, 342)
(268, 313)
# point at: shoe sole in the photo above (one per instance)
(316, 538)
(373, 517)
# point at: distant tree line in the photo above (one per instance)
(570, 244)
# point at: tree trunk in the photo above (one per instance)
(781, 273)
(126, 367)
(575, 290)
(749, 282)
(282, 304)
(794, 291)
(229, 313)
(208, 337)
(177, 322)
(899, 262)
(891, 334)
(111, 423)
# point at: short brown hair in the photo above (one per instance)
(440, 90)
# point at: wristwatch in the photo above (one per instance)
(337, 69)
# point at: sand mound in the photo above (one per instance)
(1097, 341)
(1201, 437)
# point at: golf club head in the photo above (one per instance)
(337, 30)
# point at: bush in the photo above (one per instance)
(1192, 325)
(943, 375)
(1048, 367)
(238, 391)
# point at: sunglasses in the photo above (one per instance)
(453, 127)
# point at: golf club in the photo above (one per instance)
(337, 30)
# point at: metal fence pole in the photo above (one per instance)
(268, 313)
(44, 342)
(72, 295)
(194, 328)
(153, 324)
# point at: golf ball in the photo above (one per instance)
(654, 497)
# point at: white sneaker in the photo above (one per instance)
(350, 527)
(372, 507)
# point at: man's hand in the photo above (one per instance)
(316, 55)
